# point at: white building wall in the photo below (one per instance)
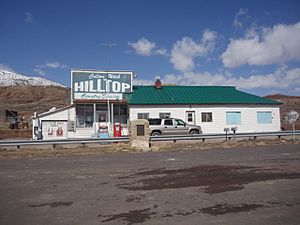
(248, 116)
(67, 114)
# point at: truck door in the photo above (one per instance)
(180, 127)
(168, 127)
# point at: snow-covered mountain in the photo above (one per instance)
(8, 78)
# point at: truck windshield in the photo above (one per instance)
(179, 122)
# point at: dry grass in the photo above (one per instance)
(91, 149)
(221, 144)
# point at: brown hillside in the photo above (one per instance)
(289, 103)
(29, 99)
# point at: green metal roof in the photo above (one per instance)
(149, 95)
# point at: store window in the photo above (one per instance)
(233, 118)
(264, 117)
(120, 114)
(164, 115)
(84, 115)
(143, 116)
(206, 117)
(190, 117)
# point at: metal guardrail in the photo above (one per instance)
(223, 136)
(174, 138)
(19, 143)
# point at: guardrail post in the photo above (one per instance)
(18, 147)
(226, 129)
(254, 137)
(203, 139)
(279, 137)
(54, 146)
(234, 129)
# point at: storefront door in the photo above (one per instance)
(190, 117)
(101, 116)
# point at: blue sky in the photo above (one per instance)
(254, 45)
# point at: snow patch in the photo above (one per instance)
(8, 78)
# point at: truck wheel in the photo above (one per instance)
(193, 132)
(155, 133)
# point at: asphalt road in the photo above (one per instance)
(232, 186)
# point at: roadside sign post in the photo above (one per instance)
(291, 118)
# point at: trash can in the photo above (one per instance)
(117, 130)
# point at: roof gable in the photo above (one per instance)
(149, 95)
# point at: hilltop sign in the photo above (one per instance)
(100, 85)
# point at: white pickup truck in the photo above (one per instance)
(171, 126)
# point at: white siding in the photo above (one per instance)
(68, 114)
(248, 116)
(83, 133)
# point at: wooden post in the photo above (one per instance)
(294, 138)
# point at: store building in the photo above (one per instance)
(212, 107)
(97, 107)
(103, 103)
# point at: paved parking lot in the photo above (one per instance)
(258, 185)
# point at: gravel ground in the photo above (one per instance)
(236, 185)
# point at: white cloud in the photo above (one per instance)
(282, 78)
(52, 65)
(239, 18)
(40, 69)
(143, 47)
(28, 17)
(186, 50)
(274, 46)
(142, 82)
(297, 90)
(161, 51)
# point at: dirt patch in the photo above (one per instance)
(132, 217)
(221, 209)
(209, 178)
(218, 143)
(135, 197)
(64, 150)
(218, 209)
(16, 133)
(52, 204)
(140, 216)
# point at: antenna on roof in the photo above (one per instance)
(108, 45)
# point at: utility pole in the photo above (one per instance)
(108, 45)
